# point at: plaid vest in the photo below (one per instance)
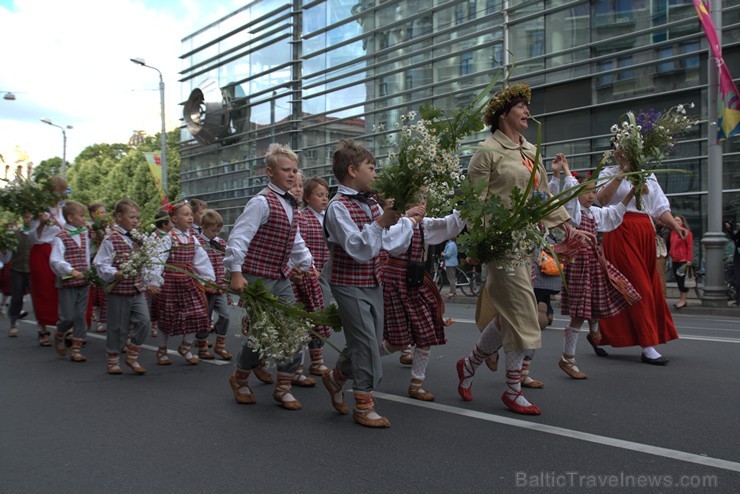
(216, 256)
(313, 234)
(127, 286)
(345, 270)
(269, 250)
(76, 256)
(417, 248)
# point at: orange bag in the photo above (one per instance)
(548, 265)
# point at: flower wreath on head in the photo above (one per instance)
(167, 206)
(502, 97)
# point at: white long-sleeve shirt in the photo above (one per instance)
(50, 231)
(256, 213)
(103, 261)
(655, 203)
(201, 262)
(364, 244)
(436, 231)
(5, 257)
(57, 262)
(607, 218)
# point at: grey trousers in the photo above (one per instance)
(125, 311)
(248, 359)
(217, 303)
(361, 313)
(72, 310)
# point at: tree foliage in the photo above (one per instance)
(109, 172)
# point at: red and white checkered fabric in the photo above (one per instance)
(312, 232)
(127, 286)
(269, 250)
(216, 257)
(182, 304)
(97, 298)
(588, 293)
(412, 315)
(308, 292)
(76, 256)
(345, 270)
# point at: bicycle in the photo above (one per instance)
(729, 281)
(469, 282)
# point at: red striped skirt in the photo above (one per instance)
(412, 315)
(631, 249)
(182, 306)
(43, 287)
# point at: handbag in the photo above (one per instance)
(548, 265)
(689, 280)
(415, 270)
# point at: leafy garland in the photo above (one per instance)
(23, 196)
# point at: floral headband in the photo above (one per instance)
(502, 97)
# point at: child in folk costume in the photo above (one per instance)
(20, 274)
(414, 311)
(594, 288)
(266, 244)
(183, 308)
(199, 207)
(125, 300)
(212, 223)
(70, 258)
(356, 229)
(43, 280)
(98, 225)
(313, 289)
(300, 378)
(162, 226)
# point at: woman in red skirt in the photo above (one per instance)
(414, 312)
(43, 281)
(631, 249)
(182, 301)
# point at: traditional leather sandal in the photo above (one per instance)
(59, 345)
(240, 387)
(407, 356)
(220, 348)
(462, 373)
(76, 356)
(162, 357)
(335, 392)
(492, 362)
(531, 383)
(282, 391)
(263, 375)
(364, 406)
(511, 403)
(302, 380)
(132, 360)
(568, 364)
(114, 366)
(184, 350)
(418, 393)
(203, 352)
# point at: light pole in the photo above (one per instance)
(163, 152)
(64, 148)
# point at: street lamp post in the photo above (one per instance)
(163, 152)
(64, 148)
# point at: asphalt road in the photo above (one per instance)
(630, 427)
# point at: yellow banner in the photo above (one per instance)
(155, 168)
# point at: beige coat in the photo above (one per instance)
(509, 294)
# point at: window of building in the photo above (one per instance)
(466, 63)
(459, 13)
(625, 61)
(665, 67)
(472, 9)
(492, 6)
(606, 79)
(536, 43)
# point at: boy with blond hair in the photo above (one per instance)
(266, 244)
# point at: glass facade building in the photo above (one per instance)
(310, 72)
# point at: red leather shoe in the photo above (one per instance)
(465, 393)
(532, 409)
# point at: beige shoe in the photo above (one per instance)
(568, 364)
(240, 387)
(418, 393)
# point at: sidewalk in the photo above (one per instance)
(693, 306)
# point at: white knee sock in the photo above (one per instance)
(419, 366)
(162, 338)
(570, 338)
(650, 352)
(488, 343)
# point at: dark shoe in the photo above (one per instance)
(22, 314)
(597, 349)
(679, 306)
(662, 360)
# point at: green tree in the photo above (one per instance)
(50, 167)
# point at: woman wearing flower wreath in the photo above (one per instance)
(507, 161)
(631, 249)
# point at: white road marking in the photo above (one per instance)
(681, 335)
(569, 433)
